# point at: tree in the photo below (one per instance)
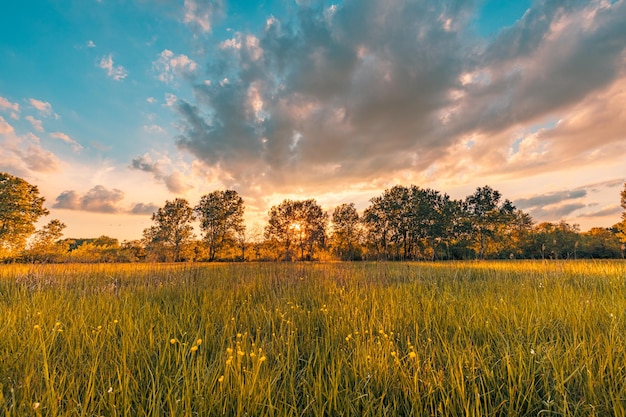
(20, 208)
(346, 231)
(172, 232)
(599, 243)
(299, 223)
(47, 245)
(485, 215)
(221, 219)
(621, 226)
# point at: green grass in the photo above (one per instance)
(485, 338)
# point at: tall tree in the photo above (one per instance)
(297, 223)
(20, 208)
(172, 230)
(221, 219)
(346, 228)
(486, 214)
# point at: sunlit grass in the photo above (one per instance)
(484, 338)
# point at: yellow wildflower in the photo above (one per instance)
(193, 348)
(172, 341)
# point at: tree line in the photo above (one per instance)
(403, 223)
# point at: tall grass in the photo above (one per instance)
(487, 338)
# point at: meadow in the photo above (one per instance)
(314, 339)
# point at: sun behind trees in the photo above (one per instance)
(403, 223)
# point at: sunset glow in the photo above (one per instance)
(111, 108)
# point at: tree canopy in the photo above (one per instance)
(221, 219)
(172, 230)
(20, 208)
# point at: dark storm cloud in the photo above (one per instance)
(367, 88)
(98, 199)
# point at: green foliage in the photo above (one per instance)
(221, 220)
(20, 208)
(168, 239)
(46, 245)
(299, 225)
(455, 339)
(347, 232)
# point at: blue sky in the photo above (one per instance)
(113, 107)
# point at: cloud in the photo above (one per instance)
(23, 155)
(368, 90)
(151, 100)
(43, 107)
(169, 65)
(98, 199)
(164, 172)
(90, 44)
(141, 208)
(612, 211)
(37, 124)
(198, 14)
(118, 73)
(5, 127)
(7, 105)
(39, 159)
(555, 213)
(176, 183)
(65, 138)
(549, 198)
(154, 129)
(144, 163)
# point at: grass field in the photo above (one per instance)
(473, 338)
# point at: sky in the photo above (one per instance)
(113, 107)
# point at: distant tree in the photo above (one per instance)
(516, 235)
(600, 243)
(486, 214)
(556, 240)
(20, 208)
(46, 245)
(411, 222)
(346, 232)
(297, 223)
(221, 220)
(621, 226)
(172, 230)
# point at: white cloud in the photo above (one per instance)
(170, 99)
(151, 100)
(5, 128)
(7, 105)
(65, 138)
(117, 73)
(37, 124)
(154, 129)
(170, 65)
(90, 44)
(43, 107)
(200, 13)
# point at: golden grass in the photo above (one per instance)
(466, 338)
